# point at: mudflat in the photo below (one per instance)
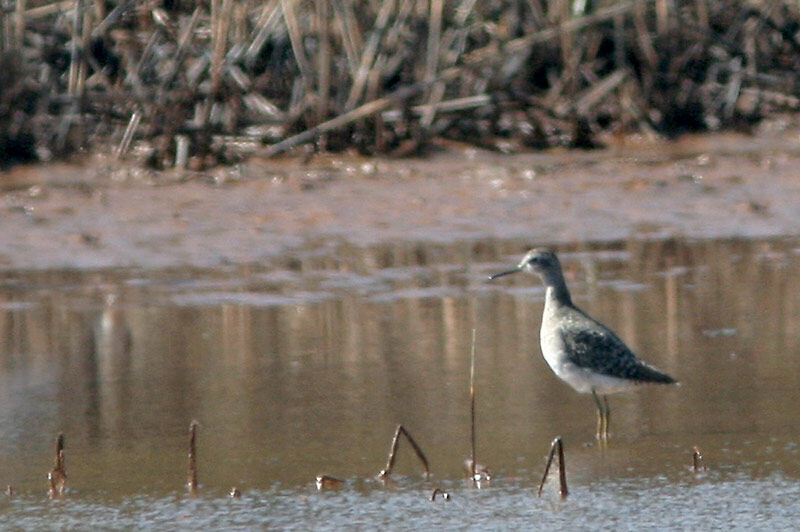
(101, 213)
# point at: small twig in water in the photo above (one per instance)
(191, 481)
(439, 491)
(387, 471)
(478, 472)
(57, 477)
(697, 460)
(325, 482)
(562, 471)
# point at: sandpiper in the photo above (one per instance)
(580, 350)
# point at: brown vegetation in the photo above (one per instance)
(193, 84)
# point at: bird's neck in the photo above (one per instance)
(557, 292)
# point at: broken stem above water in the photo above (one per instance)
(473, 463)
(57, 477)
(387, 471)
(557, 445)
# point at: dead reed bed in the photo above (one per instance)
(179, 83)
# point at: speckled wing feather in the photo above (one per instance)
(591, 345)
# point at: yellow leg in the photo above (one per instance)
(600, 416)
(603, 416)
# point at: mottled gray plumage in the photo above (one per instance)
(590, 344)
(580, 350)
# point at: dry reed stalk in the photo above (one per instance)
(296, 40)
(588, 99)
(643, 35)
(127, 136)
(75, 60)
(750, 48)
(19, 23)
(47, 10)
(620, 51)
(323, 60)
(182, 144)
(372, 91)
(263, 27)
(702, 13)
(368, 54)
(351, 37)
(231, 72)
(569, 54)
(85, 34)
(238, 31)
(537, 12)
(455, 105)
(403, 16)
(523, 44)
(435, 93)
(111, 18)
(184, 40)
(662, 17)
(220, 23)
(364, 111)
(98, 13)
(453, 44)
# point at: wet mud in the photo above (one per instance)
(100, 214)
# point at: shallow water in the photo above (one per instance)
(305, 366)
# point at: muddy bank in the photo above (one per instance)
(99, 214)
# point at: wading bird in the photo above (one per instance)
(581, 351)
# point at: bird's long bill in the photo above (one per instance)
(508, 272)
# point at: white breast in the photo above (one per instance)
(582, 380)
(550, 338)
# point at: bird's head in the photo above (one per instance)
(541, 261)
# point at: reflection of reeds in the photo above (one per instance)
(198, 83)
(705, 284)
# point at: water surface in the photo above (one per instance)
(305, 365)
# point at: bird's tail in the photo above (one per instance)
(649, 374)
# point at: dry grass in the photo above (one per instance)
(184, 83)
